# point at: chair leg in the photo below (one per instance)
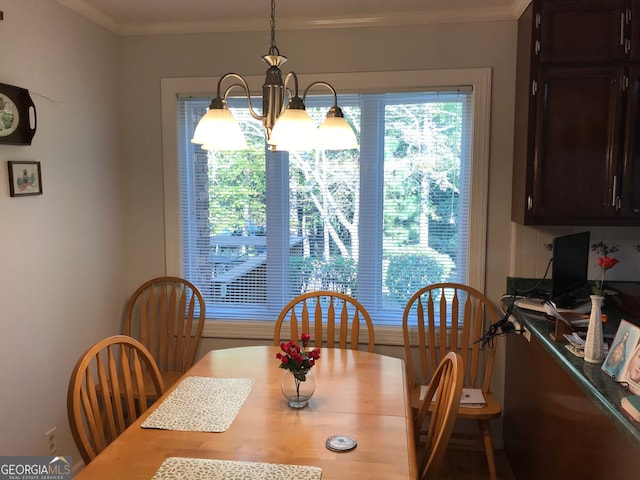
(488, 448)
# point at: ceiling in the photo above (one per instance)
(142, 17)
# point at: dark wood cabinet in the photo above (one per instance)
(577, 115)
(582, 31)
(630, 205)
(634, 30)
(576, 147)
(552, 429)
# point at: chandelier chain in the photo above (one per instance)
(273, 50)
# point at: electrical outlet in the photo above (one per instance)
(51, 441)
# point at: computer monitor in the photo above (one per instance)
(569, 269)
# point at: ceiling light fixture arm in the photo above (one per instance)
(335, 110)
(244, 85)
(294, 100)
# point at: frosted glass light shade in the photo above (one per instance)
(294, 130)
(218, 130)
(336, 134)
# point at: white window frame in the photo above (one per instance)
(361, 82)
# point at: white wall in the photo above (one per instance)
(61, 254)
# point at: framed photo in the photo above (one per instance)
(623, 360)
(17, 115)
(25, 178)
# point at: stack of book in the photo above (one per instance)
(631, 406)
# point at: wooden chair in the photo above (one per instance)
(440, 404)
(467, 313)
(167, 315)
(107, 392)
(337, 313)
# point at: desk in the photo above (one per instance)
(360, 394)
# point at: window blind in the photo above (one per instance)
(377, 223)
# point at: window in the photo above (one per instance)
(259, 227)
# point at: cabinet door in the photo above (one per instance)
(578, 116)
(630, 181)
(582, 31)
(633, 34)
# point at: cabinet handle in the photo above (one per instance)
(622, 15)
(538, 20)
(614, 199)
(529, 202)
(537, 47)
(627, 46)
(534, 87)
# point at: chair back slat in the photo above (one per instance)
(320, 318)
(474, 367)
(94, 418)
(294, 325)
(152, 324)
(107, 392)
(185, 343)
(432, 345)
(110, 389)
(442, 332)
(454, 331)
(143, 321)
(422, 337)
(169, 322)
(179, 322)
(467, 334)
(328, 308)
(355, 329)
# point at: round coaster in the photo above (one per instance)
(341, 443)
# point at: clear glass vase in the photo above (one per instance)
(594, 343)
(298, 392)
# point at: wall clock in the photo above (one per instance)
(17, 116)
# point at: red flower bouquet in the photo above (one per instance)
(605, 262)
(297, 358)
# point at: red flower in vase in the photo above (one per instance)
(605, 263)
(297, 358)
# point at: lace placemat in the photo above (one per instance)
(204, 469)
(201, 404)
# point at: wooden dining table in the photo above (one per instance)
(358, 394)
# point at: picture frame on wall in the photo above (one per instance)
(17, 115)
(25, 178)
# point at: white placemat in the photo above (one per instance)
(203, 469)
(201, 404)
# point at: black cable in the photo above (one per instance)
(535, 287)
(504, 326)
(501, 327)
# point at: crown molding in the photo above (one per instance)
(422, 17)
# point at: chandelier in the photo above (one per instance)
(287, 124)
